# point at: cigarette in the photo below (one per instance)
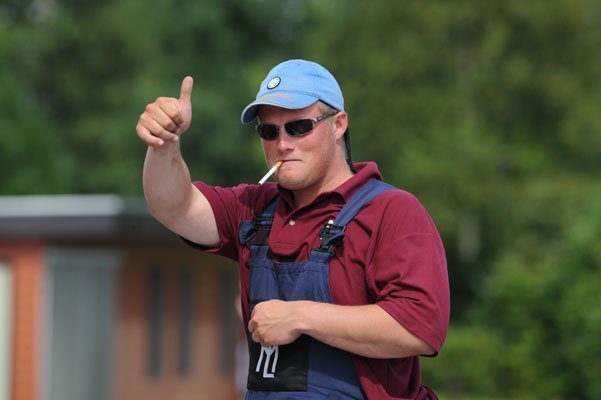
(270, 172)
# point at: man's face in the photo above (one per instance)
(308, 159)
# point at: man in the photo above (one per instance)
(343, 277)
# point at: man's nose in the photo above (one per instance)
(285, 141)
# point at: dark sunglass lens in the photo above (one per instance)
(267, 132)
(299, 128)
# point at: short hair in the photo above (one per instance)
(327, 109)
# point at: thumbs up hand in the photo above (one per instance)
(185, 104)
(167, 118)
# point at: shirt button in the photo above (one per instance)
(292, 222)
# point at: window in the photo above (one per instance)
(186, 315)
(228, 323)
(156, 319)
(80, 313)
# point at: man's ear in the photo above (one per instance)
(340, 124)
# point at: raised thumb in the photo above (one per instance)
(186, 90)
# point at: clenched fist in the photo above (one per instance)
(167, 118)
(274, 322)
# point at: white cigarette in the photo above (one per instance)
(270, 172)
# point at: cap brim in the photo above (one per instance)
(291, 101)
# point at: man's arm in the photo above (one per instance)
(364, 330)
(170, 196)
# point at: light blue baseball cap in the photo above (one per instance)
(295, 84)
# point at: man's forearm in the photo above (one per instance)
(364, 330)
(166, 181)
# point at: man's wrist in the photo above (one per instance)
(167, 146)
(303, 311)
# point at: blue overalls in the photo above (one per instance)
(305, 368)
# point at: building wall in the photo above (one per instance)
(26, 260)
(176, 328)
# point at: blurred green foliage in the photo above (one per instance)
(487, 111)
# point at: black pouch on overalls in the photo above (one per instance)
(291, 360)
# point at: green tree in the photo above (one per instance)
(89, 68)
(488, 111)
(546, 309)
(483, 109)
(33, 156)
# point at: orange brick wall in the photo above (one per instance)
(27, 263)
(132, 377)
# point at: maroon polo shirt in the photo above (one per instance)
(392, 256)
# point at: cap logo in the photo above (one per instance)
(274, 83)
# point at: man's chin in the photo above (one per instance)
(290, 183)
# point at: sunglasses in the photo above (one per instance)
(298, 128)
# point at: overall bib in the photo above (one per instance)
(305, 368)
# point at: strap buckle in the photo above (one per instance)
(331, 236)
(262, 225)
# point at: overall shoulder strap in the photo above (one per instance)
(263, 222)
(368, 192)
(333, 234)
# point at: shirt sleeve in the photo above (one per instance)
(408, 272)
(230, 205)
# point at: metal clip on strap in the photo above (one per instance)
(331, 236)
